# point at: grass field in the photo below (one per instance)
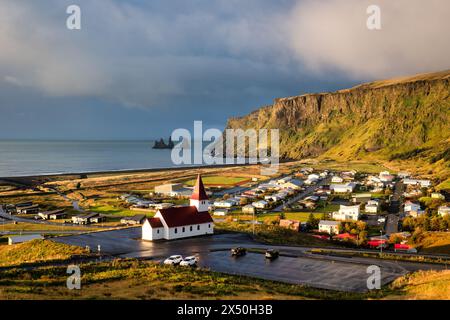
(444, 185)
(115, 211)
(28, 226)
(219, 180)
(36, 251)
(422, 285)
(299, 216)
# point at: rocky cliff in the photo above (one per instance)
(391, 119)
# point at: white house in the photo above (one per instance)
(422, 183)
(411, 206)
(337, 179)
(260, 204)
(181, 222)
(444, 210)
(224, 204)
(372, 206)
(293, 184)
(313, 177)
(343, 188)
(437, 195)
(330, 227)
(347, 213)
(283, 180)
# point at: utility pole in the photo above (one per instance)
(381, 244)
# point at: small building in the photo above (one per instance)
(221, 212)
(361, 197)
(330, 227)
(28, 210)
(88, 218)
(371, 207)
(262, 204)
(437, 195)
(224, 204)
(53, 215)
(134, 220)
(293, 184)
(20, 239)
(162, 205)
(411, 206)
(347, 213)
(337, 179)
(343, 188)
(173, 190)
(443, 210)
(249, 209)
(290, 224)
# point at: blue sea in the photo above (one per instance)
(27, 157)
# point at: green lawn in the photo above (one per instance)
(300, 216)
(110, 210)
(219, 180)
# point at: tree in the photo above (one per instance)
(395, 238)
(435, 223)
(362, 238)
(78, 185)
(312, 222)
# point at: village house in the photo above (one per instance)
(248, 209)
(411, 206)
(290, 224)
(28, 209)
(437, 195)
(88, 218)
(343, 188)
(53, 215)
(443, 210)
(293, 184)
(417, 182)
(262, 204)
(330, 227)
(221, 212)
(337, 179)
(173, 190)
(134, 220)
(371, 206)
(224, 203)
(361, 197)
(181, 222)
(347, 213)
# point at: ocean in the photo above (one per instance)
(31, 157)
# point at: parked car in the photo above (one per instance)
(271, 254)
(37, 217)
(173, 260)
(189, 261)
(239, 251)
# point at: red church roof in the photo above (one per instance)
(199, 190)
(184, 216)
(155, 222)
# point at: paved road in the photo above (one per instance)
(309, 190)
(295, 264)
(395, 209)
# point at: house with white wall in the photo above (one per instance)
(330, 227)
(181, 222)
(347, 213)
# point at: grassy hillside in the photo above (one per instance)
(398, 120)
(422, 285)
(36, 251)
(132, 279)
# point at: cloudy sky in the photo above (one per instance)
(139, 69)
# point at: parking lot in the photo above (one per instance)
(295, 265)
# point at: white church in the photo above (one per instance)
(181, 222)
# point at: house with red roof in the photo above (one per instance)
(181, 222)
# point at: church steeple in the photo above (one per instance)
(199, 198)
